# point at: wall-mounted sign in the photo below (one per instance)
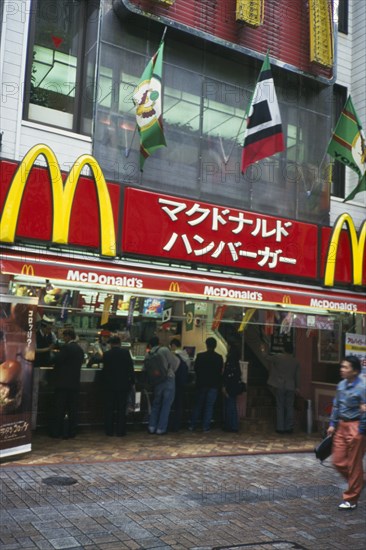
(147, 282)
(70, 210)
(198, 232)
(44, 204)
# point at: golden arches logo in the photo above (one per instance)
(174, 287)
(357, 250)
(286, 299)
(27, 269)
(62, 198)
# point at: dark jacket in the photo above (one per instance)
(68, 366)
(118, 372)
(208, 367)
(43, 341)
(232, 374)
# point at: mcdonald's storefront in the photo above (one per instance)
(100, 255)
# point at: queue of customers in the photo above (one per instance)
(213, 378)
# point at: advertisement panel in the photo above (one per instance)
(71, 210)
(355, 344)
(17, 348)
(169, 227)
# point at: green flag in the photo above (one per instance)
(348, 145)
(147, 98)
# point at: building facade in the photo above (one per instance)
(190, 238)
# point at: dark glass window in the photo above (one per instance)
(339, 169)
(206, 92)
(61, 64)
(343, 16)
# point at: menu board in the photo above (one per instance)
(93, 302)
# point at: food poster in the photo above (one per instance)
(17, 349)
(355, 344)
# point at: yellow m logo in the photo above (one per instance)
(62, 198)
(27, 269)
(174, 287)
(357, 250)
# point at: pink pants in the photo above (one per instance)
(348, 449)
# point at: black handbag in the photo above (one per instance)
(324, 449)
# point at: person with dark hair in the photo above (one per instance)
(283, 379)
(67, 386)
(45, 343)
(164, 392)
(231, 388)
(118, 378)
(181, 379)
(348, 427)
(209, 366)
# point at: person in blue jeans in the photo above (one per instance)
(208, 367)
(181, 379)
(164, 392)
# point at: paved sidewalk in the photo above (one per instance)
(91, 445)
(264, 502)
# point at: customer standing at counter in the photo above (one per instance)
(284, 374)
(181, 379)
(67, 385)
(45, 343)
(165, 391)
(348, 424)
(118, 377)
(231, 388)
(209, 366)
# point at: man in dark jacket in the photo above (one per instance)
(208, 367)
(67, 385)
(118, 378)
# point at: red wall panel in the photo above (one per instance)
(285, 30)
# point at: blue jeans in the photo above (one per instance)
(231, 413)
(160, 409)
(285, 409)
(205, 401)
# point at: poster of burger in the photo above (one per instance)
(17, 348)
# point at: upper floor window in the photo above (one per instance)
(343, 16)
(61, 64)
(339, 169)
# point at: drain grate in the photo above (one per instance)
(59, 480)
(275, 544)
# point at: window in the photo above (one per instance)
(205, 94)
(61, 64)
(339, 169)
(343, 16)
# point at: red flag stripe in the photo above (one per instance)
(342, 142)
(262, 149)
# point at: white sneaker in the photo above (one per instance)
(346, 505)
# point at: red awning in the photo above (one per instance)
(119, 276)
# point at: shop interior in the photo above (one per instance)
(95, 314)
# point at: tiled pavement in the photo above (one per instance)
(182, 491)
(267, 501)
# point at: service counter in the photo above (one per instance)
(91, 404)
